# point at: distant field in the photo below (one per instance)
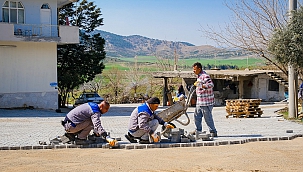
(147, 61)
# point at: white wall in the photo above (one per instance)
(267, 95)
(28, 67)
(26, 71)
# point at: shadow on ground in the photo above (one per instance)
(6, 113)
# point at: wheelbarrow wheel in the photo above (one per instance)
(165, 132)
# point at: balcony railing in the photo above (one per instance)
(39, 30)
(61, 34)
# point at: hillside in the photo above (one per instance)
(130, 46)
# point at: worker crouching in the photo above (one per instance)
(144, 122)
(79, 122)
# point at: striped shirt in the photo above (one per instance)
(205, 96)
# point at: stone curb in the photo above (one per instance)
(156, 145)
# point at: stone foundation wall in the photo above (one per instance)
(41, 100)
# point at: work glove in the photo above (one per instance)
(170, 126)
(111, 141)
(167, 125)
(155, 137)
(196, 83)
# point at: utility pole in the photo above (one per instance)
(292, 92)
(176, 61)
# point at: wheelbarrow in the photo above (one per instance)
(175, 111)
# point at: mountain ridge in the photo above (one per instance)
(130, 46)
(136, 45)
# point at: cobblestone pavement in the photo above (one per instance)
(25, 128)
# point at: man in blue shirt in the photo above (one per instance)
(84, 118)
(144, 122)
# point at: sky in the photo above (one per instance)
(171, 20)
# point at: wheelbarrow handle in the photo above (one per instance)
(184, 123)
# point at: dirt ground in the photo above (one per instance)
(253, 157)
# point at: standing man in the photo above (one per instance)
(205, 100)
(144, 122)
(81, 120)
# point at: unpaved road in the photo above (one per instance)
(254, 157)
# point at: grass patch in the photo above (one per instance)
(285, 116)
(149, 62)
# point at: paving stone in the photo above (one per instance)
(185, 140)
(129, 146)
(172, 145)
(99, 145)
(284, 138)
(60, 146)
(118, 138)
(122, 146)
(274, 139)
(149, 146)
(48, 146)
(93, 145)
(267, 128)
(72, 146)
(209, 144)
(140, 146)
(223, 142)
(193, 144)
(191, 137)
(38, 147)
(243, 141)
(233, 142)
(299, 135)
(263, 139)
(164, 145)
(15, 148)
(199, 144)
(185, 145)
(26, 147)
(106, 146)
(252, 139)
(4, 148)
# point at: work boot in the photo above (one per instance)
(130, 138)
(213, 134)
(195, 131)
(67, 138)
(71, 136)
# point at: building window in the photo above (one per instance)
(273, 85)
(45, 6)
(13, 12)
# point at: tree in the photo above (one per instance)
(80, 63)
(286, 44)
(115, 83)
(252, 26)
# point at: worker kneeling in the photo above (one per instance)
(79, 122)
(144, 122)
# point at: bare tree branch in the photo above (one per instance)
(251, 26)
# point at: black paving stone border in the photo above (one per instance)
(155, 145)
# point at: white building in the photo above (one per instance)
(28, 52)
(268, 85)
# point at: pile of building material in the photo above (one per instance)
(178, 135)
(243, 108)
(91, 139)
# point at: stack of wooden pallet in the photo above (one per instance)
(243, 108)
